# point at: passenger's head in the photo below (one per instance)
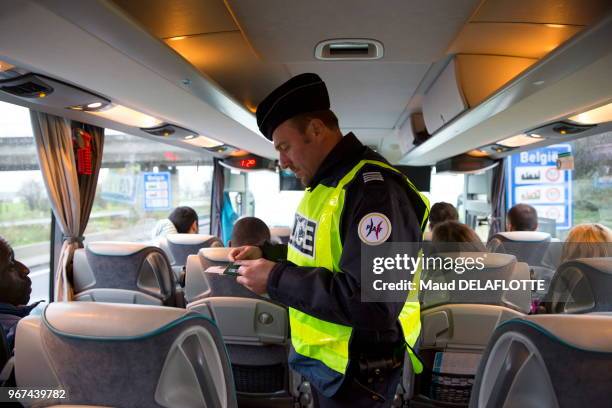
(441, 212)
(249, 231)
(15, 285)
(522, 217)
(185, 219)
(587, 241)
(296, 117)
(453, 232)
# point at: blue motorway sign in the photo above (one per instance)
(157, 192)
(533, 179)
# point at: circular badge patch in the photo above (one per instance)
(374, 228)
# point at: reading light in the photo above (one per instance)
(188, 137)
(127, 116)
(477, 153)
(202, 141)
(519, 140)
(94, 105)
(594, 116)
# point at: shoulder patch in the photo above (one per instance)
(374, 228)
(372, 176)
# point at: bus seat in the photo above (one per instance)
(280, 234)
(496, 267)
(123, 272)
(457, 324)
(581, 286)
(199, 284)
(256, 334)
(172, 357)
(183, 245)
(547, 361)
(528, 246)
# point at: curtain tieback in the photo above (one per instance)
(71, 239)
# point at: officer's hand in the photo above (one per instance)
(254, 274)
(245, 252)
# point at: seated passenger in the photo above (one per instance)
(448, 233)
(15, 289)
(440, 212)
(521, 217)
(587, 241)
(249, 231)
(183, 220)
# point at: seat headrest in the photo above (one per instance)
(108, 320)
(189, 239)
(116, 248)
(603, 265)
(523, 236)
(220, 254)
(280, 231)
(586, 331)
(490, 260)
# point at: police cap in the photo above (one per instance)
(301, 94)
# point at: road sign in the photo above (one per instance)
(534, 179)
(157, 192)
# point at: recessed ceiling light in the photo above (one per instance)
(129, 117)
(518, 141)
(556, 25)
(203, 141)
(188, 137)
(94, 105)
(180, 37)
(594, 116)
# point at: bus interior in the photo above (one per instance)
(483, 104)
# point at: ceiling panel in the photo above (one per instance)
(164, 18)
(516, 39)
(416, 31)
(229, 61)
(579, 12)
(367, 95)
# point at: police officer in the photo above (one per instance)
(350, 351)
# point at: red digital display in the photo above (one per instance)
(248, 163)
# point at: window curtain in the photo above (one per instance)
(71, 194)
(498, 199)
(216, 205)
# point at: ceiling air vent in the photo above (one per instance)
(26, 86)
(349, 49)
(47, 91)
(166, 130)
(559, 130)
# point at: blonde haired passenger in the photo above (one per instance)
(587, 241)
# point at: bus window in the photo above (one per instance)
(565, 198)
(265, 188)
(25, 211)
(141, 181)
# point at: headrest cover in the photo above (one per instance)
(524, 236)
(116, 248)
(280, 231)
(585, 331)
(188, 239)
(301, 94)
(220, 254)
(96, 319)
(603, 265)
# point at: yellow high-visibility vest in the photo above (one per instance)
(320, 340)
